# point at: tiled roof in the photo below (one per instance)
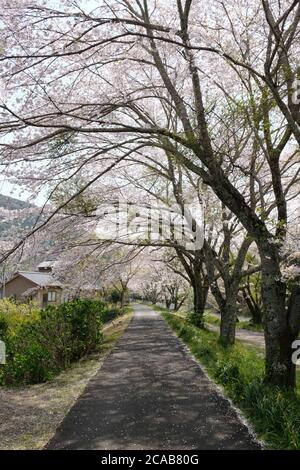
(40, 279)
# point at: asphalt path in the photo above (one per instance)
(151, 394)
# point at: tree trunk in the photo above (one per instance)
(228, 322)
(200, 295)
(123, 297)
(228, 310)
(278, 337)
(255, 311)
(256, 314)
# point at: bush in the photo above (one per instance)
(109, 313)
(84, 320)
(15, 315)
(115, 296)
(40, 344)
(3, 327)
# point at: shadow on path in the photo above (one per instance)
(150, 394)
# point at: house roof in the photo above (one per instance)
(40, 279)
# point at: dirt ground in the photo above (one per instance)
(30, 415)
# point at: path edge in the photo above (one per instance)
(218, 388)
(46, 446)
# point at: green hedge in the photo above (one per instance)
(45, 343)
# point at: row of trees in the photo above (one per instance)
(203, 98)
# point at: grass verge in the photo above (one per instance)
(213, 319)
(274, 413)
(30, 415)
(248, 325)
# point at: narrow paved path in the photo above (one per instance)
(150, 394)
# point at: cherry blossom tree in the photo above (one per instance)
(87, 89)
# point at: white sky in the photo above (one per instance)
(18, 192)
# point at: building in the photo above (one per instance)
(39, 287)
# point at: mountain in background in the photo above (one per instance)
(16, 216)
(11, 203)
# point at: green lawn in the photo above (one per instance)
(215, 319)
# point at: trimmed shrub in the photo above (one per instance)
(39, 344)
